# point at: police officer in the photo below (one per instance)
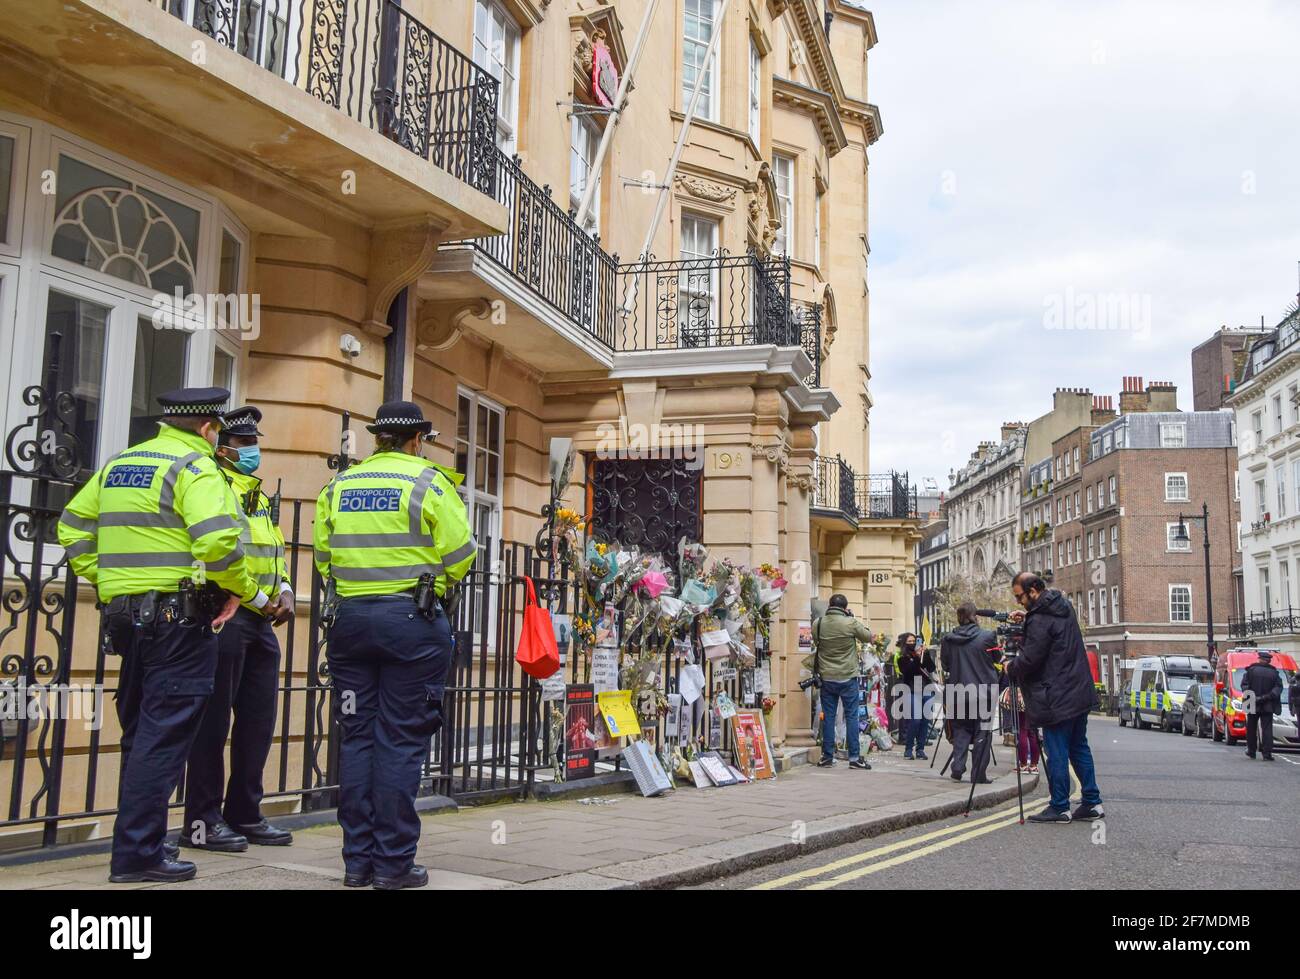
(157, 532)
(1264, 681)
(392, 536)
(248, 666)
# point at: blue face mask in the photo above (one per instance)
(250, 457)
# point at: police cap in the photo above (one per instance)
(195, 401)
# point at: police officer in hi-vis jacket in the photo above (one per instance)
(392, 536)
(220, 815)
(157, 532)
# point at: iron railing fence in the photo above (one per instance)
(1277, 623)
(834, 487)
(373, 61)
(886, 496)
(809, 318)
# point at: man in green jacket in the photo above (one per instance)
(835, 660)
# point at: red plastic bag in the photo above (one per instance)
(537, 655)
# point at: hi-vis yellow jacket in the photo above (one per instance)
(158, 513)
(261, 538)
(388, 520)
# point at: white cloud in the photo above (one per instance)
(1038, 154)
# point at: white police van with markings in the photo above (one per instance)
(1158, 687)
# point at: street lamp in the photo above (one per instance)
(1181, 537)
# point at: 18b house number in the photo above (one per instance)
(880, 577)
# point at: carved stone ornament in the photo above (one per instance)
(399, 253)
(706, 190)
(441, 324)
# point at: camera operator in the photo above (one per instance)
(916, 671)
(1057, 682)
(970, 692)
(835, 650)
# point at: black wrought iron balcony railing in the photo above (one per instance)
(834, 487)
(373, 61)
(809, 318)
(1273, 623)
(886, 496)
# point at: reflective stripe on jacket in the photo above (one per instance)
(388, 520)
(158, 513)
(262, 540)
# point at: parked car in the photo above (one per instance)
(1198, 710)
(1157, 687)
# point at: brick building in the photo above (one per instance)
(1123, 483)
(1217, 365)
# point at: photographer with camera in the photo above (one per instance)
(1058, 692)
(836, 666)
(970, 691)
(916, 674)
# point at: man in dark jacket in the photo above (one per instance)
(1265, 683)
(1057, 683)
(916, 673)
(970, 692)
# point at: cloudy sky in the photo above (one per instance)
(1065, 193)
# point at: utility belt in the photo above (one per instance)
(190, 604)
(424, 594)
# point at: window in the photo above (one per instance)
(480, 428)
(1257, 426)
(1114, 539)
(1291, 395)
(1106, 443)
(1171, 544)
(1279, 477)
(755, 93)
(1173, 435)
(260, 33)
(1101, 542)
(1284, 583)
(1076, 457)
(1073, 551)
(1092, 607)
(1277, 413)
(1114, 603)
(1060, 554)
(1077, 508)
(817, 229)
(698, 283)
(1175, 487)
(783, 171)
(584, 137)
(1101, 606)
(8, 149)
(1265, 592)
(1060, 512)
(699, 26)
(1120, 437)
(224, 372)
(1058, 469)
(1089, 498)
(1261, 502)
(1091, 549)
(1180, 603)
(496, 49)
(1236, 483)
(1069, 507)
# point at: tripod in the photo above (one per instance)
(1014, 691)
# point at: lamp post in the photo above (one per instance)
(1181, 537)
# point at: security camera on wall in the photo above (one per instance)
(350, 346)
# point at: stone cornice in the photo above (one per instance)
(1275, 369)
(820, 105)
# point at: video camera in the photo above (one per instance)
(1010, 634)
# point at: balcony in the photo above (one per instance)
(1257, 625)
(349, 99)
(886, 496)
(834, 503)
(555, 279)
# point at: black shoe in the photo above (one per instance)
(417, 876)
(985, 781)
(1250, 756)
(263, 833)
(219, 838)
(360, 879)
(922, 756)
(826, 762)
(171, 851)
(1050, 815)
(167, 872)
(957, 776)
(1087, 813)
(861, 764)
(1268, 757)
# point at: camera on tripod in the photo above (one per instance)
(1010, 634)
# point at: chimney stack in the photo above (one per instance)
(1133, 398)
(1103, 409)
(1162, 396)
(1009, 427)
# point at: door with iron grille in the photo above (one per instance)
(647, 503)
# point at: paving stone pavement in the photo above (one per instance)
(610, 841)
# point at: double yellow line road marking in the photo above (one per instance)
(934, 842)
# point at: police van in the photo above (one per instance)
(1158, 687)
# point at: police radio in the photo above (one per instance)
(426, 595)
(275, 503)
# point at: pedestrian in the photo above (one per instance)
(391, 537)
(836, 662)
(1028, 748)
(1264, 683)
(156, 531)
(1053, 671)
(970, 691)
(912, 697)
(219, 815)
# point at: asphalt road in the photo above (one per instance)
(1181, 812)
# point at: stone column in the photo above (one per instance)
(793, 716)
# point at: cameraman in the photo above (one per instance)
(970, 691)
(1058, 691)
(916, 676)
(835, 660)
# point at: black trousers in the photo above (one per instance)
(970, 734)
(163, 685)
(248, 670)
(1259, 733)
